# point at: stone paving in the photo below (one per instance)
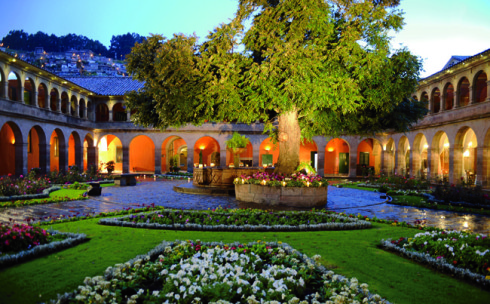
(161, 193)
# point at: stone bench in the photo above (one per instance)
(125, 179)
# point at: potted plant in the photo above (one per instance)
(237, 143)
(110, 166)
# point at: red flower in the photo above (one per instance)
(455, 262)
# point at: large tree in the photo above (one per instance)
(303, 67)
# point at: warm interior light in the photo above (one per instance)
(426, 146)
(446, 145)
(103, 144)
(13, 141)
(330, 149)
(202, 147)
(384, 147)
(267, 148)
(470, 144)
(466, 153)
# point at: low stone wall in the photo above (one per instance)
(302, 197)
(222, 177)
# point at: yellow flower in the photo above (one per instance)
(410, 239)
(259, 241)
(487, 277)
(279, 242)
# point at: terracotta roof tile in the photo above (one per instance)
(114, 86)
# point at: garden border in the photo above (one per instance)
(439, 264)
(40, 250)
(353, 224)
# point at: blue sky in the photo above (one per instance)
(434, 30)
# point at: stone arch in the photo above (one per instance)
(436, 100)
(389, 157)
(75, 150)
(420, 161)
(425, 98)
(42, 96)
(439, 162)
(465, 155)
(119, 112)
(246, 157)
(480, 87)
(14, 86)
(368, 156)
(268, 152)
(73, 105)
(308, 152)
(37, 156)
(207, 151)
(64, 103)
(110, 148)
(58, 152)
(29, 91)
(463, 92)
(101, 112)
(337, 158)
(403, 156)
(54, 96)
(485, 179)
(89, 154)
(174, 146)
(12, 150)
(142, 154)
(448, 96)
(81, 108)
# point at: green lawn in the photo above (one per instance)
(54, 197)
(350, 253)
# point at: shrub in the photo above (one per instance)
(21, 237)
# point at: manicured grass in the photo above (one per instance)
(107, 185)
(355, 186)
(61, 195)
(350, 253)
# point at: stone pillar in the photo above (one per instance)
(321, 162)
(488, 92)
(222, 156)
(456, 99)
(5, 89)
(256, 156)
(442, 103)
(58, 104)
(79, 156)
(85, 112)
(158, 160)
(125, 164)
(63, 157)
(21, 92)
(395, 165)
(455, 164)
(429, 164)
(128, 114)
(411, 167)
(383, 167)
(44, 158)
(472, 95)
(110, 115)
(480, 169)
(353, 163)
(20, 159)
(36, 99)
(92, 157)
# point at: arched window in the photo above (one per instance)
(14, 87)
(119, 112)
(64, 103)
(53, 100)
(41, 96)
(436, 100)
(101, 112)
(480, 87)
(29, 92)
(449, 97)
(464, 92)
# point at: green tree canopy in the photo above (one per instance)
(303, 67)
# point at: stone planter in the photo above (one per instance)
(302, 197)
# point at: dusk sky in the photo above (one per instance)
(434, 30)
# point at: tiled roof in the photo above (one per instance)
(114, 86)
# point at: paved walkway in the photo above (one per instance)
(161, 193)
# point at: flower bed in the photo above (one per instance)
(465, 255)
(273, 179)
(238, 220)
(188, 272)
(20, 242)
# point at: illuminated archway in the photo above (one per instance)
(403, 156)
(11, 152)
(419, 156)
(36, 149)
(465, 155)
(268, 153)
(74, 150)
(174, 146)
(337, 153)
(88, 153)
(58, 155)
(110, 148)
(368, 156)
(142, 154)
(14, 86)
(439, 164)
(207, 150)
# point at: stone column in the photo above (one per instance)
(429, 164)
(125, 164)
(63, 157)
(58, 106)
(158, 160)
(256, 156)
(395, 165)
(36, 99)
(110, 115)
(21, 92)
(20, 158)
(411, 168)
(353, 163)
(5, 89)
(480, 169)
(79, 156)
(128, 114)
(321, 162)
(222, 156)
(455, 163)
(85, 112)
(44, 158)
(456, 99)
(472, 95)
(442, 103)
(383, 162)
(488, 92)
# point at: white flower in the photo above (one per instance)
(239, 290)
(156, 293)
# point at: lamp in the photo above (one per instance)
(466, 153)
(267, 148)
(330, 149)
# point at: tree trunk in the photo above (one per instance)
(289, 142)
